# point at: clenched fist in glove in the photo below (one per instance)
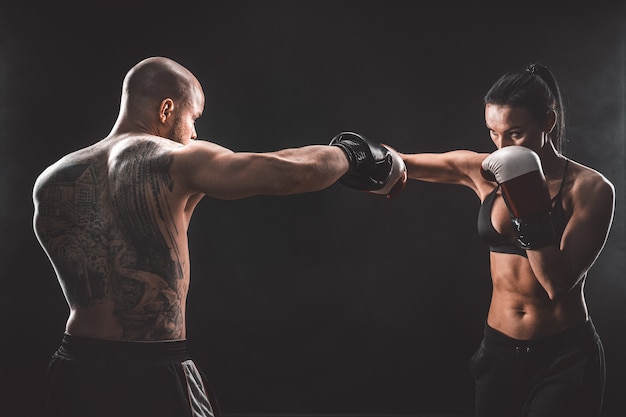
(373, 167)
(518, 171)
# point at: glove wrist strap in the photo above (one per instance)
(534, 232)
(350, 154)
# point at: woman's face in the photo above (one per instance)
(514, 126)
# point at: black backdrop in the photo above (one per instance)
(329, 302)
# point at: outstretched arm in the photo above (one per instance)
(218, 172)
(455, 167)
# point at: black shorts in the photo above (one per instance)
(560, 375)
(105, 378)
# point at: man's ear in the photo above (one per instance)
(165, 109)
(550, 121)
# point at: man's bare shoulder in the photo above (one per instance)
(201, 146)
(76, 158)
(102, 153)
(197, 154)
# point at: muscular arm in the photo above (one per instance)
(559, 270)
(218, 172)
(454, 167)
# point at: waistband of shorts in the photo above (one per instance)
(78, 347)
(580, 335)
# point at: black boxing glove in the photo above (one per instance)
(373, 167)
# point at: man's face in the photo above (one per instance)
(183, 128)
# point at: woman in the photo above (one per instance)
(540, 355)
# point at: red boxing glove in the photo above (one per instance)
(518, 171)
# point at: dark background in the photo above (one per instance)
(335, 302)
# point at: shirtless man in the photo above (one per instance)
(113, 217)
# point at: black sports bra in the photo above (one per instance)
(501, 244)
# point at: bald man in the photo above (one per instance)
(112, 218)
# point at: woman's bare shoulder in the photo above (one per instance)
(588, 184)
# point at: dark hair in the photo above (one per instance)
(536, 90)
